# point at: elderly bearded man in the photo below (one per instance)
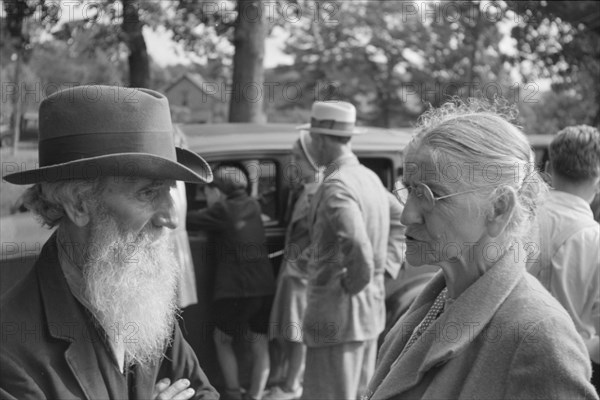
(100, 299)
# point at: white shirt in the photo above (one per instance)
(574, 279)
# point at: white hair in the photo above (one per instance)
(491, 155)
(47, 199)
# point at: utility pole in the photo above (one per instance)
(17, 104)
(16, 13)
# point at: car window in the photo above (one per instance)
(383, 167)
(262, 185)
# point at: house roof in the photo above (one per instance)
(195, 79)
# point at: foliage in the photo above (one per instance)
(393, 62)
(558, 37)
(244, 24)
(561, 107)
(390, 61)
(108, 25)
(19, 15)
(59, 64)
(560, 40)
(9, 193)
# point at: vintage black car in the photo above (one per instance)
(265, 152)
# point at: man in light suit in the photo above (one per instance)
(350, 221)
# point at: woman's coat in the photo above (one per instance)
(504, 337)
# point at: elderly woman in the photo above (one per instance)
(482, 328)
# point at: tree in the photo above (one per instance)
(243, 23)
(107, 23)
(19, 30)
(392, 59)
(57, 65)
(556, 110)
(560, 40)
(248, 63)
(131, 28)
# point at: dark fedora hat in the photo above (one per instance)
(88, 132)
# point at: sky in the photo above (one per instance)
(166, 52)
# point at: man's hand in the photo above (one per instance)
(163, 390)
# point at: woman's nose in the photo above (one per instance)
(411, 214)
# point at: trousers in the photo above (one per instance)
(339, 372)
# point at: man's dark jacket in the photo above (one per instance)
(50, 348)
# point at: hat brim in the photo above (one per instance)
(190, 167)
(334, 132)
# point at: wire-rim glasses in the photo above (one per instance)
(422, 192)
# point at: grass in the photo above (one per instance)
(26, 158)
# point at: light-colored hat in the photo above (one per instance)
(88, 132)
(337, 118)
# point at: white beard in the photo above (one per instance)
(131, 282)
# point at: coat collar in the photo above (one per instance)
(67, 321)
(448, 336)
(301, 206)
(347, 159)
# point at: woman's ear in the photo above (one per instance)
(501, 212)
(78, 212)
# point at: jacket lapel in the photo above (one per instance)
(314, 206)
(393, 375)
(331, 172)
(145, 378)
(450, 334)
(67, 321)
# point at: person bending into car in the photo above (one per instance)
(96, 317)
(244, 279)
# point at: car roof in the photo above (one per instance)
(539, 141)
(251, 138)
(211, 139)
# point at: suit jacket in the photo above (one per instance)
(505, 337)
(239, 242)
(396, 248)
(349, 237)
(297, 237)
(51, 348)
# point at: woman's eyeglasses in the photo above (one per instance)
(422, 192)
